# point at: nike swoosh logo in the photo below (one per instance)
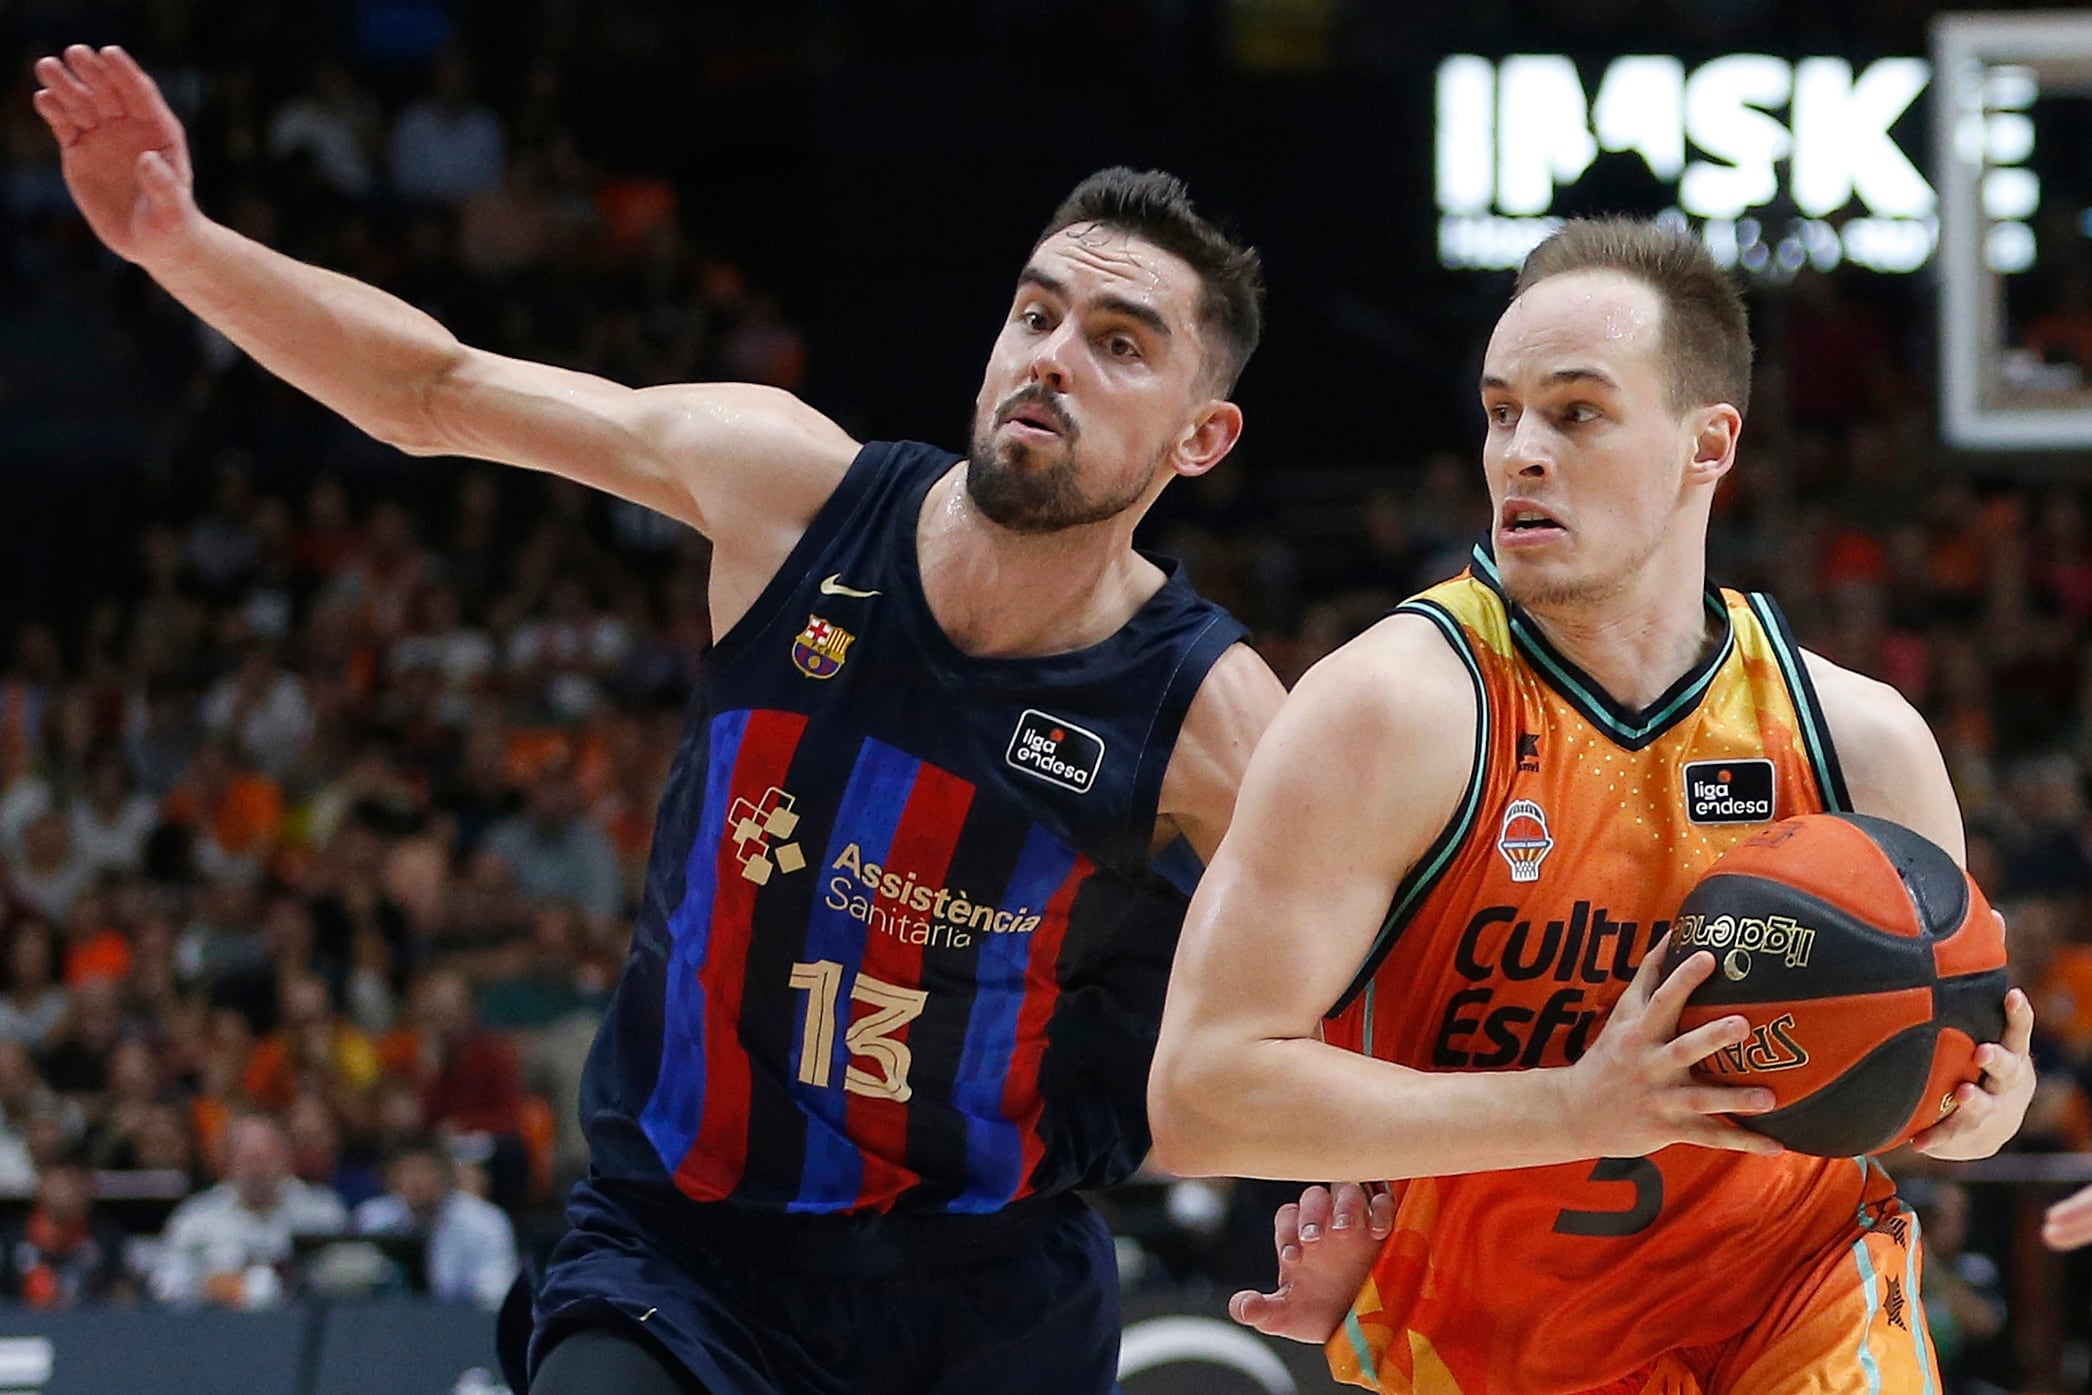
(833, 586)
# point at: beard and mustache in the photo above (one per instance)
(1038, 489)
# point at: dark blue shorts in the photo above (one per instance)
(1021, 1301)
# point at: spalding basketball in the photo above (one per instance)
(1869, 967)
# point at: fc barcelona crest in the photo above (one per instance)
(821, 648)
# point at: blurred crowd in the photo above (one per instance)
(324, 793)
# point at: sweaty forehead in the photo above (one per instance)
(1598, 318)
(1096, 259)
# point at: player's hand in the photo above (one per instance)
(121, 150)
(1988, 1112)
(2067, 1225)
(1634, 1091)
(1325, 1245)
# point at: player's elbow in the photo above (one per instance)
(421, 420)
(1190, 1103)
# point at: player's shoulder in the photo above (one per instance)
(1234, 704)
(1869, 721)
(1892, 765)
(1398, 692)
(752, 423)
(1404, 665)
(1238, 690)
(1384, 726)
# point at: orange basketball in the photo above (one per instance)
(1869, 967)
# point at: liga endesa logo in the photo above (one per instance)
(1736, 939)
(1729, 791)
(1055, 750)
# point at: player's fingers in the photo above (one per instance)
(2019, 1023)
(2068, 1224)
(59, 81)
(2068, 1234)
(1285, 1227)
(141, 95)
(1348, 1207)
(1972, 1110)
(1714, 1133)
(2003, 1069)
(1254, 1309)
(1704, 1040)
(62, 126)
(1727, 1099)
(1649, 973)
(1669, 999)
(94, 76)
(1315, 1206)
(1380, 1215)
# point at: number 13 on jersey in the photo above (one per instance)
(893, 1007)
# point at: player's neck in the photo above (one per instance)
(1003, 594)
(1637, 643)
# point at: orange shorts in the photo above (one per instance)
(1851, 1325)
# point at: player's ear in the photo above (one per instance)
(1715, 430)
(1208, 438)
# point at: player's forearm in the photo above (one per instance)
(1300, 1110)
(364, 353)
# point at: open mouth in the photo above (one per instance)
(1520, 522)
(1033, 416)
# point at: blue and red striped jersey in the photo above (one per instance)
(902, 945)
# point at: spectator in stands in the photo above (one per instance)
(96, 946)
(61, 1254)
(1964, 1290)
(470, 1079)
(263, 709)
(51, 872)
(135, 1087)
(221, 944)
(317, 1154)
(448, 146)
(313, 1049)
(162, 731)
(334, 123)
(24, 1099)
(77, 1060)
(225, 1245)
(160, 1143)
(33, 1004)
(110, 825)
(558, 853)
(233, 809)
(472, 1245)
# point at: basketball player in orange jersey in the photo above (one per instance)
(840, 1107)
(1429, 947)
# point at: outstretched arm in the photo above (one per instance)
(1348, 787)
(736, 461)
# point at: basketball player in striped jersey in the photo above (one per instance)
(1427, 950)
(925, 849)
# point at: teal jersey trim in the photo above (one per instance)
(1920, 1330)
(1360, 1348)
(1868, 1365)
(1628, 728)
(1432, 865)
(1815, 730)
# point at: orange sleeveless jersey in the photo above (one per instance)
(1582, 828)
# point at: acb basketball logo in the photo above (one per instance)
(820, 650)
(1524, 840)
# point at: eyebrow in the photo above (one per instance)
(1492, 383)
(1138, 311)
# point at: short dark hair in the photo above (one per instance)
(1706, 330)
(1156, 207)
